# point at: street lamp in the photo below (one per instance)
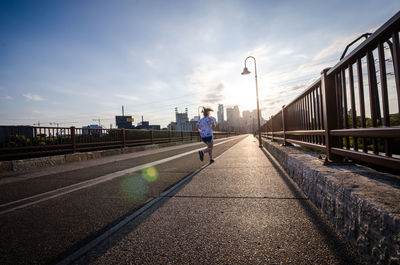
(246, 72)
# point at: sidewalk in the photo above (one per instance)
(240, 210)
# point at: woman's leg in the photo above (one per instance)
(207, 142)
(209, 149)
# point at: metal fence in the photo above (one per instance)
(27, 141)
(352, 110)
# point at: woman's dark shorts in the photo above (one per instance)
(207, 139)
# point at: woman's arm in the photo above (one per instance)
(213, 124)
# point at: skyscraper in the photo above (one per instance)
(220, 113)
(233, 115)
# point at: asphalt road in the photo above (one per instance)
(49, 230)
(243, 209)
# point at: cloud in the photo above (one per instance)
(215, 95)
(261, 51)
(273, 103)
(149, 63)
(127, 97)
(33, 97)
(301, 56)
(209, 85)
(7, 98)
(157, 86)
(336, 48)
(295, 88)
(285, 52)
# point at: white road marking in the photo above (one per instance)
(12, 206)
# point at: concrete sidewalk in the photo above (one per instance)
(240, 210)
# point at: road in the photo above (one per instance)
(42, 221)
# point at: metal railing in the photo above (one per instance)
(352, 111)
(28, 141)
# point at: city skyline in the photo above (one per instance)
(73, 62)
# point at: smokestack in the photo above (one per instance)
(142, 119)
(123, 110)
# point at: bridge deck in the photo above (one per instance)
(240, 210)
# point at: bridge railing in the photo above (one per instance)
(30, 141)
(352, 110)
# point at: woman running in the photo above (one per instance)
(205, 126)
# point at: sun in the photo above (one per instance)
(243, 96)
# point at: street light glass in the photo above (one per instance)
(245, 71)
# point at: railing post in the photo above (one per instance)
(191, 138)
(169, 136)
(283, 125)
(272, 128)
(151, 136)
(73, 139)
(182, 136)
(330, 112)
(123, 138)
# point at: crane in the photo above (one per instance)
(97, 120)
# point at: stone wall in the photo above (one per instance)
(363, 205)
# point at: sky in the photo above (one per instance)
(73, 63)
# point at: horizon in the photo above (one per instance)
(72, 62)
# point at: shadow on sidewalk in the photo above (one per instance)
(335, 242)
(99, 250)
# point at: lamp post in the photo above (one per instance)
(246, 72)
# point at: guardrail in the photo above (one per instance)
(28, 141)
(352, 110)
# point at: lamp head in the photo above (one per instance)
(245, 71)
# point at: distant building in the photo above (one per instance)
(195, 118)
(143, 125)
(246, 114)
(193, 125)
(250, 120)
(245, 123)
(181, 117)
(220, 113)
(155, 127)
(124, 122)
(92, 126)
(92, 130)
(233, 116)
(182, 121)
(171, 126)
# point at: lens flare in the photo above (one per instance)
(150, 174)
(133, 188)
